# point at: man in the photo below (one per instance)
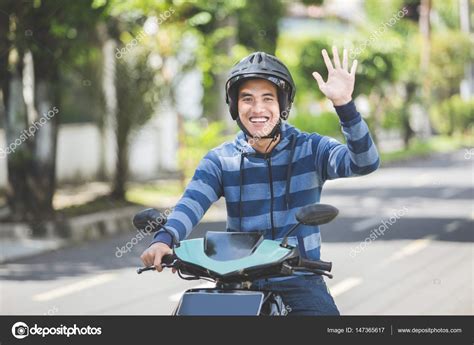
(272, 169)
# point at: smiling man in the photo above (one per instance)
(259, 111)
(272, 169)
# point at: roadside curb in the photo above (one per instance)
(16, 241)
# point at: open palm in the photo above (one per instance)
(340, 84)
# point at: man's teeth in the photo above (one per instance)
(259, 119)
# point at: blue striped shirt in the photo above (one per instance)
(263, 193)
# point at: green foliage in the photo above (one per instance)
(135, 96)
(258, 24)
(392, 118)
(380, 10)
(454, 115)
(313, 2)
(448, 11)
(380, 63)
(325, 123)
(450, 51)
(62, 35)
(423, 148)
(198, 139)
(311, 60)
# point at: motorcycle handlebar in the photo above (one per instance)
(166, 261)
(315, 264)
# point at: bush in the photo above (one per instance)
(325, 123)
(198, 139)
(453, 115)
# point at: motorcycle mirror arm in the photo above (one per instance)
(284, 241)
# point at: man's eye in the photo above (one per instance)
(246, 99)
(268, 99)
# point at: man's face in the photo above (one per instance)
(258, 106)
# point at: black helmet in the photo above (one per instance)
(264, 66)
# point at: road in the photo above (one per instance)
(418, 262)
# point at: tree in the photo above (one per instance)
(135, 105)
(42, 39)
(257, 31)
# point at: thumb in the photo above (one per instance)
(319, 79)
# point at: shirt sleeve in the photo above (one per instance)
(203, 190)
(358, 157)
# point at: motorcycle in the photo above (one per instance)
(233, 260)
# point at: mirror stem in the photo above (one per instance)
(284, 241)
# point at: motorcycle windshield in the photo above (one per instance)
(268, 252)
(224, 246)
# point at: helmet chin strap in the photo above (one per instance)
(272, 135)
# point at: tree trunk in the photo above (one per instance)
(121, 164)
(121, 170)
(224, 47)
(17, 151)
(31, 131)
(407, 131)
(109, 90)
(425, 30)
(109, 147)
(377, 103)
(44, 163)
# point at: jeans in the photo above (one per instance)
(302, 295)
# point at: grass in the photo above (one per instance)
(419, 148)
(102, 203)
(160, 194)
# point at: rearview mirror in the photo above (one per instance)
(149, 217)
(316, 214)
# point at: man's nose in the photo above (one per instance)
(258, 107)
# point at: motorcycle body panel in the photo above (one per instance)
(268, 252)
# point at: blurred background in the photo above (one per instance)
(108, 106)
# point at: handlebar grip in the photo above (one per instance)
(168, 259)
(316, 264)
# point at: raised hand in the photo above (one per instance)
(340, 84)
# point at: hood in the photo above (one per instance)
(289, 135)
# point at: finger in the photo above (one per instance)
(345, 60)
(335, 53)
(157, 263)
(319, 79)
(142, 257)
(146, 261)
(173, 270)
(327, 60)
(354, 67)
